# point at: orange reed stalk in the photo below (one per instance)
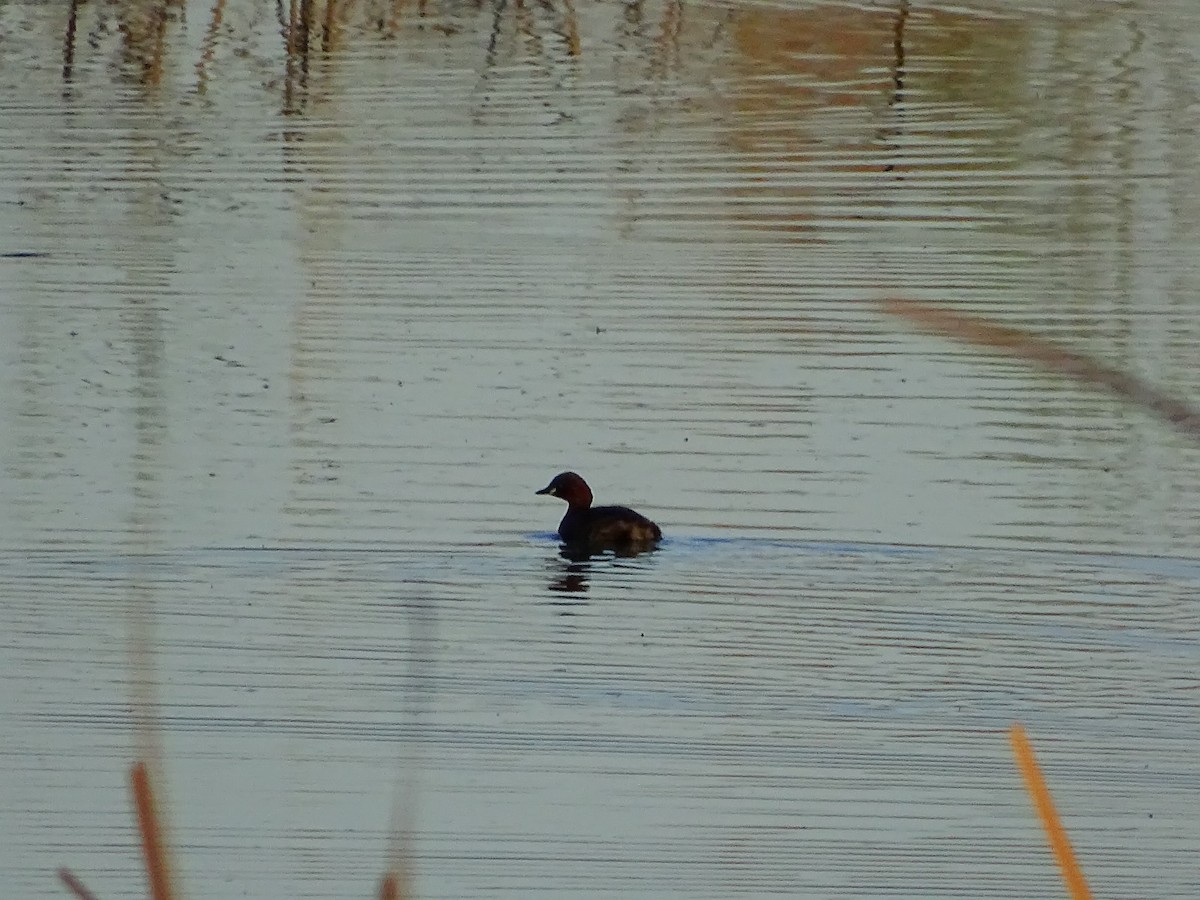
(389, 887)
(74, 885)
(1023, 345)
(1056, 835)
(153, 848)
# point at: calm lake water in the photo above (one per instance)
(295, 316)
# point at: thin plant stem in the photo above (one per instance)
(154, 850)
(1056, 835)
(74, 885)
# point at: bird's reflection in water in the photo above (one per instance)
(570, 574)
(573, 568)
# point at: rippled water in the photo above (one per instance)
(290, 338)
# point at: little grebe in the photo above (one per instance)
(598, 528)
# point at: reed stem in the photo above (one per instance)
(153, 847)
(74, 885)
(1056, 835)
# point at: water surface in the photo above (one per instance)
(293, 326)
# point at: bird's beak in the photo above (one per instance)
(548, 489)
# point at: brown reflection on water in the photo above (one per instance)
(69, 40)
(822, 56)
(823, 102)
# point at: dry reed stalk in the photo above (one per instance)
(1056, 835)
(74, 885)
(1023, 345)
(390, 888)
(154, 848)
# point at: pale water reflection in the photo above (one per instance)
(298, 312)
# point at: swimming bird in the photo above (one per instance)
(598, 528)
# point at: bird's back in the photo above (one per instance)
(608, 527)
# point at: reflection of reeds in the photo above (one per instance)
(1025, 346)
(144, 27)
(69, 40)
(151, 30)
(1056, 835)
(571, 29)
(329, 27)
(208, 46)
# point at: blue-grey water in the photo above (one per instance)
(294, 321)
